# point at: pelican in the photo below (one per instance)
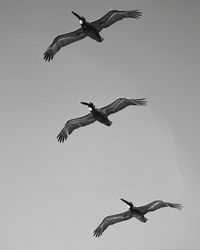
(100, 115)
(90, 29)
(137, 212)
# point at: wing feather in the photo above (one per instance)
(110, 220)
(120, 104)
(157, 205)
(113, 16)
(73, 124)
(61, 41)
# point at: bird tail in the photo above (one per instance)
(110, 123)
(99, 39)
(175, 205)
(102, 39)
(140, 102)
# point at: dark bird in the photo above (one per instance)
(137, 212)
(100, 115)
(90, 29)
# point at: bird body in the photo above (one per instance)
(92, 32)
(137, 212)
(138, 215)
(100, 117)
(90, 29)
(96, 114)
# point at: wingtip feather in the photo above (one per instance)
(140, 102)
(48, 55)
(62, 136)
(97, 232)
(178, 206)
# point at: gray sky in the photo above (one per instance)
(54, 195)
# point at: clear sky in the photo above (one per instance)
(54, 195)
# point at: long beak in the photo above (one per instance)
(77, 15)
(85, 103)
(127, 202)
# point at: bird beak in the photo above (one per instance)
(84, 103)
(128, 203)
(75, 14)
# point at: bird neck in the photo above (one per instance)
(92, 108)
(131, 208)
(82, 22)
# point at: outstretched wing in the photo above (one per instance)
(120, 104)
(73, 124)
(110, 220)
(113, 16)
(61, 41)
(157, 205)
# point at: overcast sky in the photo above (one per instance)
(54, 195)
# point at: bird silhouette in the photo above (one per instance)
(137, 212)
(100, 115)
(90, 29)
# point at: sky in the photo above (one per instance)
(53, 196)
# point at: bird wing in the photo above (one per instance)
(73, 124)
(110, 220)
(120, 104)
(113, 16)
(157, 205)
(61, 41)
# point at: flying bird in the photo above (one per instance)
(137, 212)
(90, 29)
(100, 115)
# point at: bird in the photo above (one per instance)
(100, 115)
(137, 212)
(90, 29)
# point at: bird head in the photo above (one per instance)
(130, 204)
(89, 104)
(81, 18)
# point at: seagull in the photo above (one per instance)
(90, 29)
(100, 115)
(137, 212)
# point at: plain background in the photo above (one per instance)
(54, 195)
